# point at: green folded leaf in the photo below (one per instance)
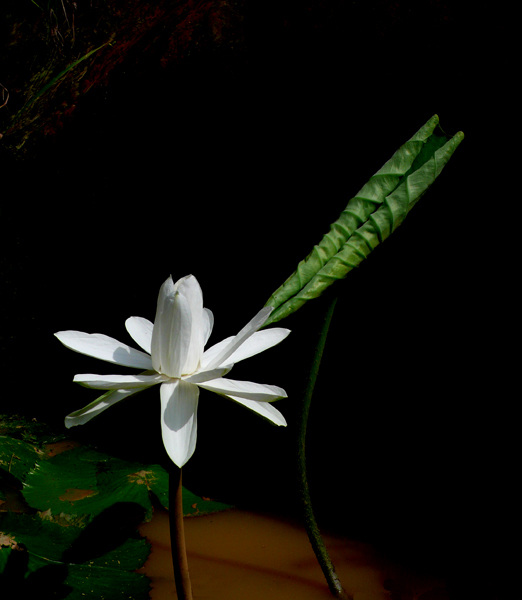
(390, 195)
(357, 211)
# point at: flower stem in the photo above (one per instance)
(312, 529)
(177, 536)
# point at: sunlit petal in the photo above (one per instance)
(213, 351)
(140, 330)
(178, 363)
(171, 335)
(265, 409)
(258, 342)
(179, 405)
(200, 323)
(118, 382)
(85, 414)
(105, 348)
(208, 323)
(202, 376)
(245, 389)
(249, 329)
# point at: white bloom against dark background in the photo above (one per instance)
(176, 360)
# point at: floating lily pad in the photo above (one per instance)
(82, 481)
(81, 540)
(17, 457)
(35, 552)
(41, 536)
(66, 484)
(195, 506)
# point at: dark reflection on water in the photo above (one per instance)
(242, 555)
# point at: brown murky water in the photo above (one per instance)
(239, 555)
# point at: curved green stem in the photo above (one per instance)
(310, 523)
(177, 536)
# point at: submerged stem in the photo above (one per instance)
(177, 536)
(310, 523)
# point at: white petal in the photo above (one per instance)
(179, 405)
(179, 328)
(140, 330)
(208, 321)
(171, 332)
(265, 409)
(258, 342)
(200, 321)
(245, 389)
(201, 376)
(105, 348)
(118, 382)
(213, 351)
(249, 329)
(82, 416)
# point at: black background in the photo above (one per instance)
(231, 167)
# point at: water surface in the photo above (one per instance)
(240, 555)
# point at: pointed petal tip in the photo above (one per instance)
(264, 409)
(181, 281)
(178, 461)
(244, 389)
(119, 382)
(103, 347)
(140, 330)
(280, 421)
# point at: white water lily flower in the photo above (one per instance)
(176, 360)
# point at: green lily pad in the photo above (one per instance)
(41, 536)
(35, 552)
(195, 506)
(17, 457)
(81, 540)
(82, 481)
